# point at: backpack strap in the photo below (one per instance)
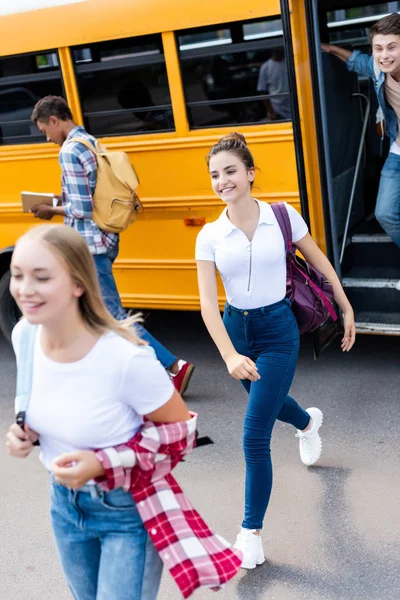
(25, 371)
(282, 216)
(85, 142)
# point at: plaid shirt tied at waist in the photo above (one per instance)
(194, 555)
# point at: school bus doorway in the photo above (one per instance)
(351, 155)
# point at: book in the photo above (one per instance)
(31, 199)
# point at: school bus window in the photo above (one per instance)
(47, 61)
(368, 12)
(24, 79)
(123, 86)
(234, 74)
(205, 38)
(351, 25)
(262, 29)
(357, 38)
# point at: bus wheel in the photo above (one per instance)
(9, 311)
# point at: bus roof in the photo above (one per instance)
(59, 23)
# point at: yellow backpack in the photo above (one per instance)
(115, 201)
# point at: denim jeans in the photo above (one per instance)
(387, 211)
(112, 300)
(270, 337)
(104, 549)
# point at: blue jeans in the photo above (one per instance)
(104, 549)
(387, 211)
(270, 337)
(111, 299)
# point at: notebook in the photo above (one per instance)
(31, 199)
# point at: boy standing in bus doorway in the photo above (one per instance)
(383, 67)
(79, 173)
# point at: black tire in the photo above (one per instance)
(9, 311)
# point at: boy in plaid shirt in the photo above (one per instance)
(78, 164)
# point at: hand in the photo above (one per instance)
(326, 48)
(241, 367)
(20, 442)
(75, 469)
(349, 331)
(43, 211)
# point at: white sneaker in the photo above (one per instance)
(251, 547)
(310, 442)
(398, 286)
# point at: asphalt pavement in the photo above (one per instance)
(332, 531)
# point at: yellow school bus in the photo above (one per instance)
(163, 80)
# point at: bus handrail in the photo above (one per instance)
(356, 170)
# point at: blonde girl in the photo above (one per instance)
(93, 382)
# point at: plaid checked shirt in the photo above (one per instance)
(194, 555)
(79, 173)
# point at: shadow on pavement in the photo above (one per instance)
(354, 572)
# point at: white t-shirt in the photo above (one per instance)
(95, 402)
(273, 79)
(253, 273)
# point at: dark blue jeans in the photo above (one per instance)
(270, 337)
(387, 211)
(111, 299)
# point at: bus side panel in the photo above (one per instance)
(156, 266)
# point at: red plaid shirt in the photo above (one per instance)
(194, 555)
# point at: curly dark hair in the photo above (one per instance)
(51, 106)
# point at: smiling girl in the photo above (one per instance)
(258, 337)
(93, 381)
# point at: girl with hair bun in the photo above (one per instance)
(258, 336)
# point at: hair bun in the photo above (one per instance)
(233, 142)
(235, 136)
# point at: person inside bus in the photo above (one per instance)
(258, 337)
(78, 165)
(383, 67)
(273, 80)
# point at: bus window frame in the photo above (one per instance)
(312, 21)
(53, 73)
(123, 62)
(295, 111)
(262, 43)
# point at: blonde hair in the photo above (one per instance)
(72, 250)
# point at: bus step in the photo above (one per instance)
(377, 295)
(354, 282)
(371, 251)
(376, 238)
(378, 322)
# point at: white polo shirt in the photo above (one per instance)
(253, 273)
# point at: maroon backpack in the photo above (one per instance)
(308, 290)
